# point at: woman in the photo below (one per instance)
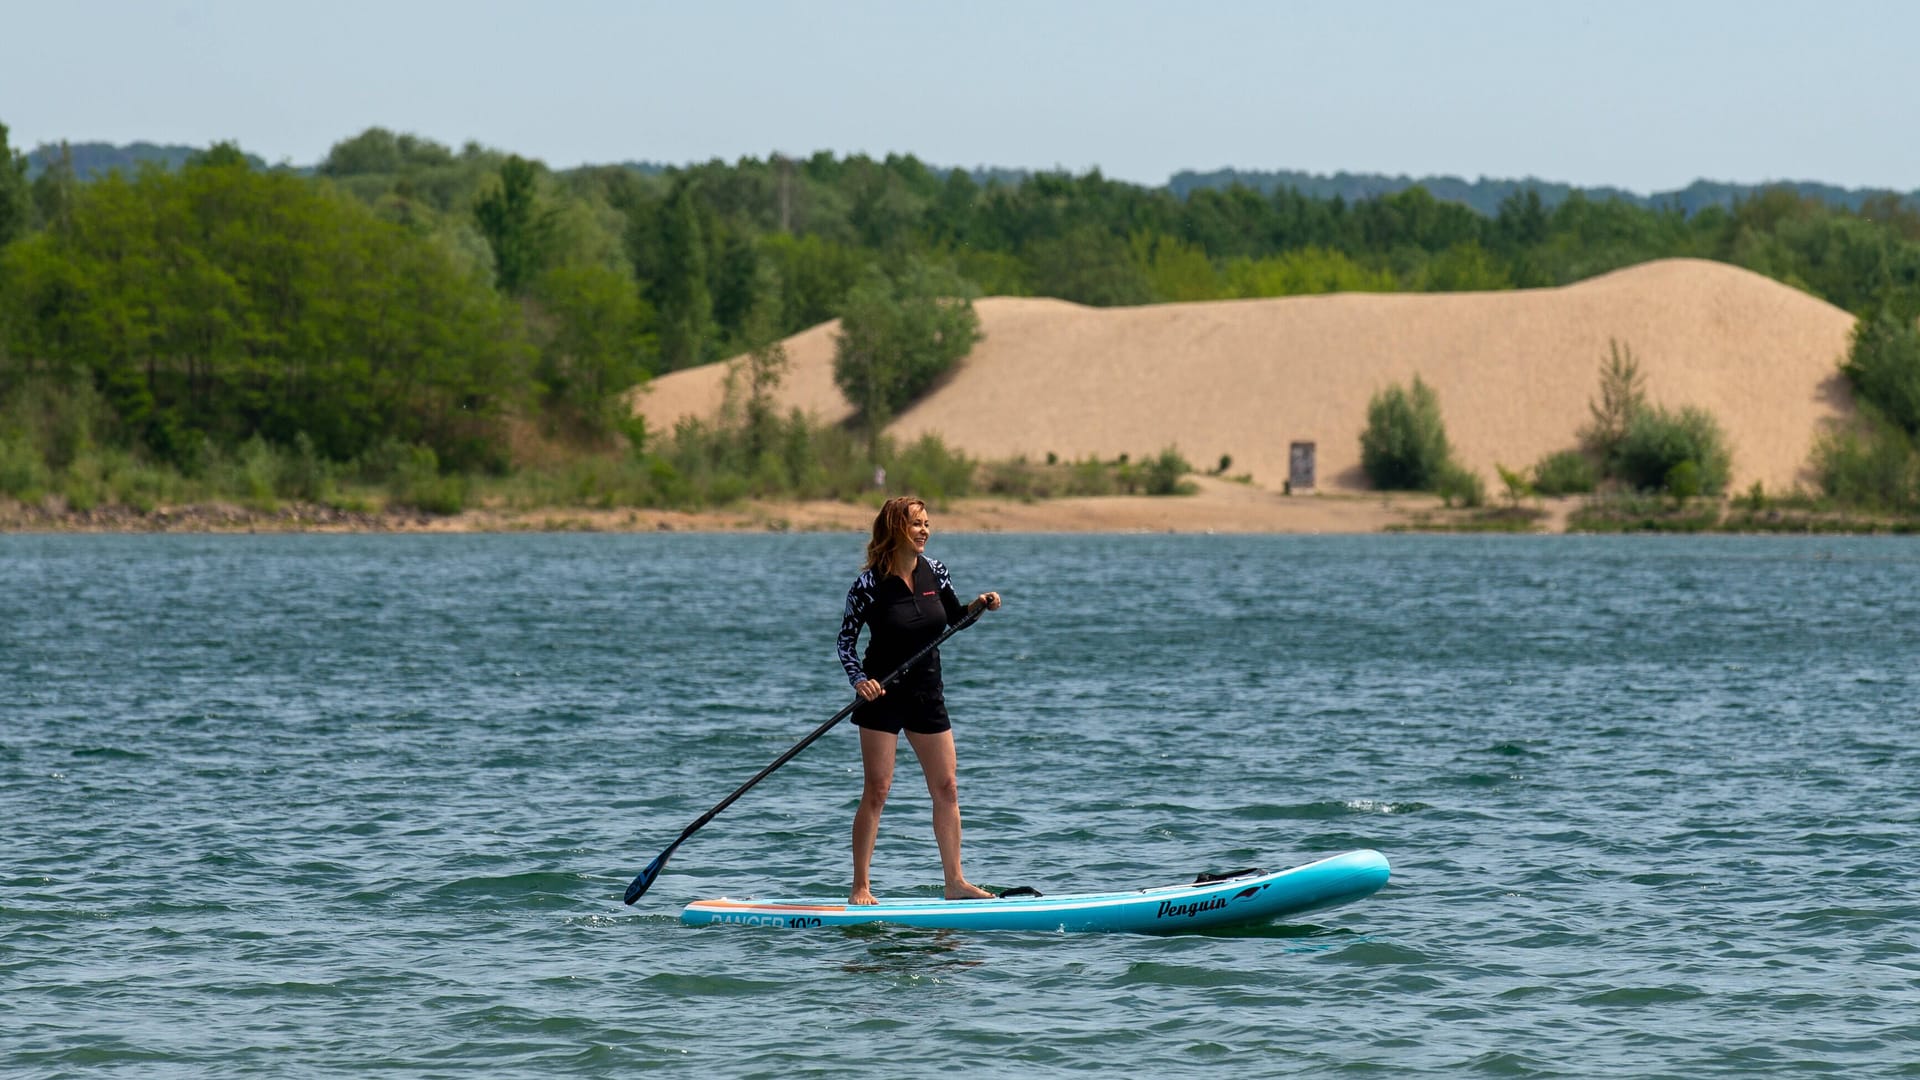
(906, 601)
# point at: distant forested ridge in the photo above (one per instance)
(1486, 194)
(401, 293)
(91, 160)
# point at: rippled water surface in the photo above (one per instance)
(318, 805)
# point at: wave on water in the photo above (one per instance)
(1325, 810)
(530, 889)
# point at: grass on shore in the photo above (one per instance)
(1484, 519)
(699, 467)
(1616, 513)
(1753, 513)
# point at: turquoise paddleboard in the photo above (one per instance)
(1247, 897)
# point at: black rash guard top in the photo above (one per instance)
(901, 621)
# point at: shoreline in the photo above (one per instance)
(1218, 506)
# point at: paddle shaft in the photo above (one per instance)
(644, 881)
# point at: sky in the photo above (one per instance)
(1639, 95)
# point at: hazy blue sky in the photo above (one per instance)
(1645, 96)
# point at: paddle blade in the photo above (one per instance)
(644, 882)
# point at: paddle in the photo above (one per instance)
(644, 882)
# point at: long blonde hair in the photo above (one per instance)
(890, 533)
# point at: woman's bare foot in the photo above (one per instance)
(861, 895)
(962, 890)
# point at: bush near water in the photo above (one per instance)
(1875, 463)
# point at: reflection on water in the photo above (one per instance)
(906, 950)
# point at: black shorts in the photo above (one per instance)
(919, 709)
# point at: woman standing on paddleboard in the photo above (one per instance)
(906, 601)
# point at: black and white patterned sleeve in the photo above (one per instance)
(948, 598)
(859, 599)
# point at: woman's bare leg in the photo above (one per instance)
(937, 762)
(876, 768)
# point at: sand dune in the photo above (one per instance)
(1514, 372)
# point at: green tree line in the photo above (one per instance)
(409, 293)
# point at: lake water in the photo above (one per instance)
(365, 805)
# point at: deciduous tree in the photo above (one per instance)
(899, 333)
(517, 227)
(16, 202)
(686, 303)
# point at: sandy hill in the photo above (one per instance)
(1514, 372)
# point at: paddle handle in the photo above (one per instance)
(644, 881)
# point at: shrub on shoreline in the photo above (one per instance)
(1021, 478)
(1404, 446)
(1873, 466)
(1565, 472)
(1683, 453)
(1874, 463)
